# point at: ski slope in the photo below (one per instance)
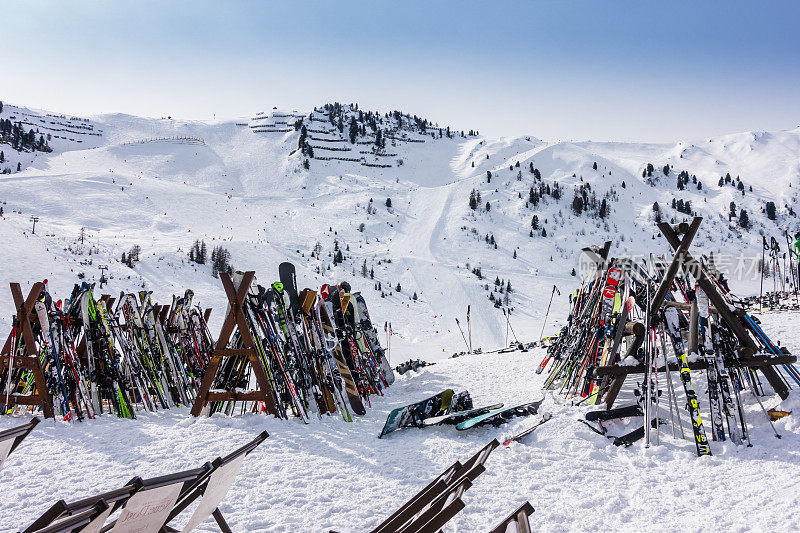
(162, 183)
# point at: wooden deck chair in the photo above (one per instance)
(434, 502)
(440, 511)
(88, 521)
(213, 489)
(516, 522)
(419, 501)
(147, 510)
(114, 499)
(11, 438)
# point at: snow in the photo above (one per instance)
(248, 191)
(331, 474)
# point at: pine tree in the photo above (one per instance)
(473, 200)
(398, 288)
(656, 212)
(353, 129)
(577, 205)
(594, 166)
(771, 210)
(603, 213)
(535, 222)
(488, 206)
(388, 202)
(744, 220)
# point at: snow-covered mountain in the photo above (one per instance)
(390, 191)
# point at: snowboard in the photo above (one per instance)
(371, 337)
(611, 414)
(500, 416)
(288, 277)
(518, 436)
(637, 434)
(413, 415)
(460, 416)
(351, 389)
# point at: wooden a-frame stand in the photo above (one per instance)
(747, 347)
(30, 361)
(235, 319)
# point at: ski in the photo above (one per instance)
(518, 436)
(460, 416)
(500, 416)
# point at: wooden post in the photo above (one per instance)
(30, 360)
(672, 270)
(235, 319)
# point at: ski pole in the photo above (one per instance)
(761, 290)
(469, 328)
(795, 276)
(462, 333)
(508, 320)
(548, 311)
(505, 315)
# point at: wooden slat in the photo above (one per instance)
(755, 362)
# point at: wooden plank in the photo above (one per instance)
(232, 352)
(247, 396)
(20, 362)
(756, 362)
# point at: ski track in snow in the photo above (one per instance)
(330, 474)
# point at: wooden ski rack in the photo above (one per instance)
(235, 319)
(30, 361)
(747, 346)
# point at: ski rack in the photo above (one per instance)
(235, 319)
(30, 360)
(747, 347)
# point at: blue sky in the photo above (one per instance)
(648, 71)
